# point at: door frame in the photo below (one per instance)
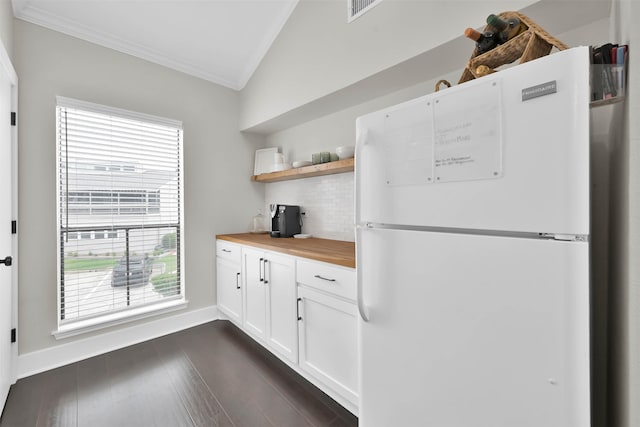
(6, 64)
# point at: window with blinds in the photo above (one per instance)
(119, 211)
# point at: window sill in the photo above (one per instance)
(102, 322)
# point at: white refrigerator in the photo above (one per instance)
(473, 252)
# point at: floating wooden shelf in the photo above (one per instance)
(330, 168)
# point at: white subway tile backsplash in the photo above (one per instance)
(327, 201)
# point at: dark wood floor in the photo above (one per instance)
(210, 375)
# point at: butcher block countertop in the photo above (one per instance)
(332, 251)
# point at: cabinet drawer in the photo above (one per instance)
(337, 280)
(228, 250)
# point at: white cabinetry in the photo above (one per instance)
(327, 326)
(229, 280)
(270, 300)
(301, 310)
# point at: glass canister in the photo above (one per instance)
(258, 223)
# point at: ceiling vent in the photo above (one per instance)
(357, 8)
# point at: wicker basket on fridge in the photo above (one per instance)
(530, 44)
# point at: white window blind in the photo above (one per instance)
(119, 210)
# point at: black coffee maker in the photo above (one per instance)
(285, 220)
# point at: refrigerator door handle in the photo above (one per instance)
(361, 140)
(362, 309)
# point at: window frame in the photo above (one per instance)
(130, 313)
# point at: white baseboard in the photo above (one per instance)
(60, 355)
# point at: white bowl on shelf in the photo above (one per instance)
(279, 167)
(301, 163)
(345, 152)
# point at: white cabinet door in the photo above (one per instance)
(255, 292)
(282, 333)
(229, 289)
(270, 300)
(328, 345)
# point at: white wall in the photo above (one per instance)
(218, 160)
(6, 26)
(320, 64)
(318, 52)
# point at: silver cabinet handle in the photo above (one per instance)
(317, 276)
(265, 271)
(261, 268)
(226, 250)
(298, 309)
(237, 280)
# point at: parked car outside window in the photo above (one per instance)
(138, 273)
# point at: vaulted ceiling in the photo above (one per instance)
(222, 41)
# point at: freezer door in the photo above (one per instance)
(470, 330)
(485, 154)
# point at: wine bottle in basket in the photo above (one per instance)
(507, 29)
(484, 41)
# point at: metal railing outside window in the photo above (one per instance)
(104, 275)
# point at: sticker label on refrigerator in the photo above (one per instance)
(468, 134)
(539, 90)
